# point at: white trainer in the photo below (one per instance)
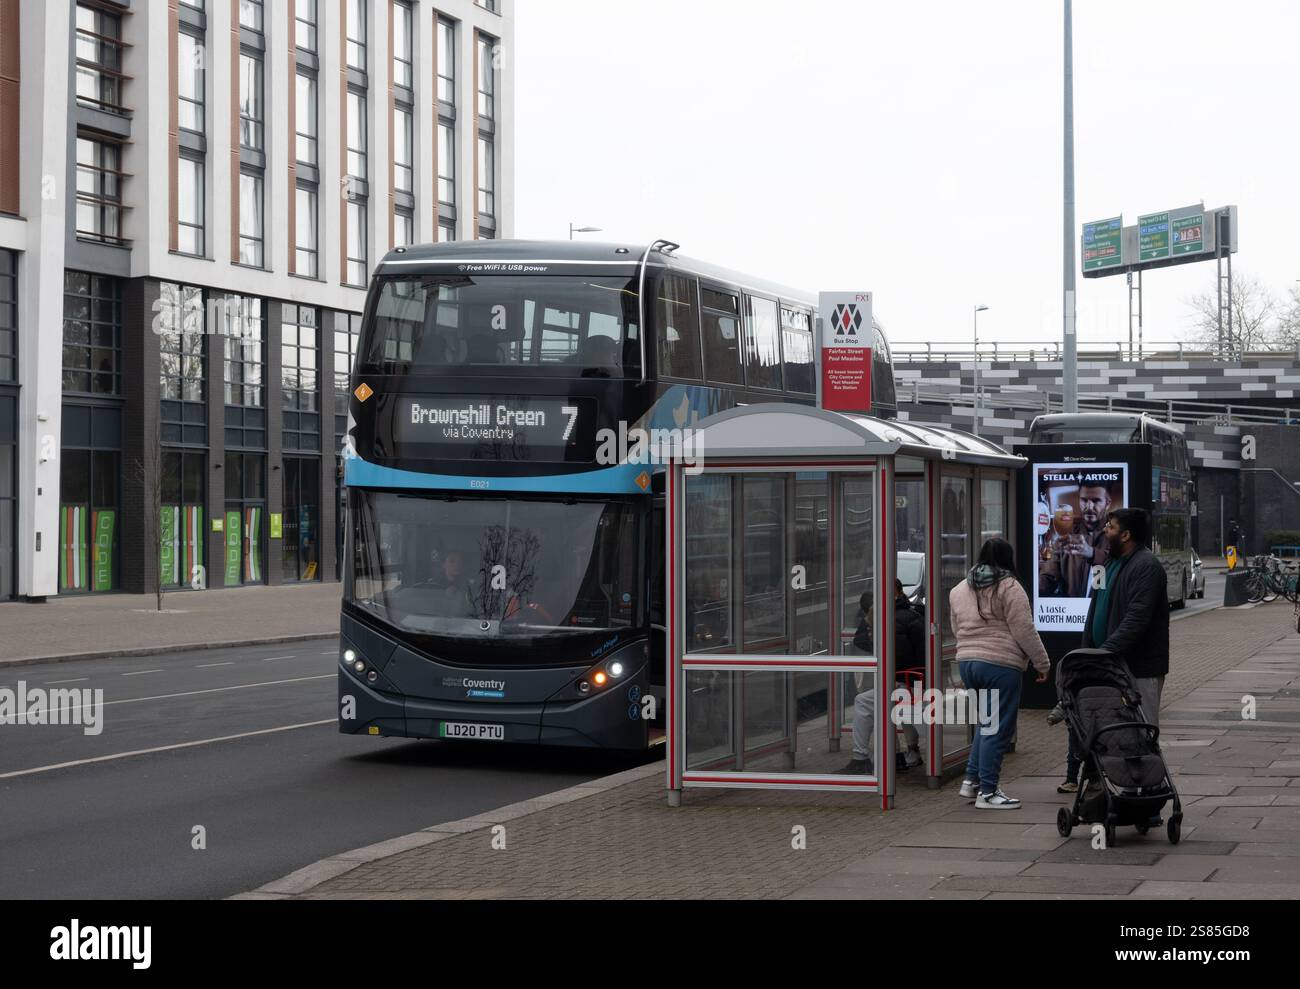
(996, 801)
(970, 789)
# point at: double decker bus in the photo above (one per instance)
(504, 571)
(1167, 464)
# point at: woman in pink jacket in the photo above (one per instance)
(996, 641)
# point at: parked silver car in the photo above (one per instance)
(1198, 577)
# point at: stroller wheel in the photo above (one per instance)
(1064, 822)
(1175, 829)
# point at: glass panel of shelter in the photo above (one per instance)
(956, 558)
(774, 532)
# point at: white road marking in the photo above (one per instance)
(195, 693)
(162, 748)
(332, 652)
(143, 673)
(55, 683)
(272, 659)
(212, 666)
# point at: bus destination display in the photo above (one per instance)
(476, 427)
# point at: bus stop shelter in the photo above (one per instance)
(786, 527)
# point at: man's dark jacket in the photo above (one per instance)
(909, 637)
(1137, 627)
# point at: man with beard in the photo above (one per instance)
(1067, 565)
(1091, 548)
(1129, 616)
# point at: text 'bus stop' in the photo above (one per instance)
(781, 577)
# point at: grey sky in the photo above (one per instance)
(913, 149)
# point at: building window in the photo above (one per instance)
(305, 111)
(92, 334)
(446, 233)
(250, 102)
(299, 359)
(245, 522)
(356, 34)
(250, 14)
(244, 360)
(347, 335)
(190, 218)
(487, 198)
(8, 321)
(487, 102)
(446, 61)
(251, 237)
(305, 16)
(403, 153)
(182, 532)
(99, 58)
(300, 546)
(357, 134)
(358, 261)
(89, 519)
(181, 329)
(99, 191)
(306, 249)
(190, 76)
(403, 228)
(447, 164)
(403, 55)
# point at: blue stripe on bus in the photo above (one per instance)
(612, 480)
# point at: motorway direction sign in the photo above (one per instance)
(1188, 235)
(1103, 244)
(1153, 237)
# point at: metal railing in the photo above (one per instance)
(1039, 402)
(1049, 351)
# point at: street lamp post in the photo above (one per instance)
(583, 230)
(978, 310)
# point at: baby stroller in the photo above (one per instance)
(1125, 780)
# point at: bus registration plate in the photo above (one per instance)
(480, 733)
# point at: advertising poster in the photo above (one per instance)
(1070, 518)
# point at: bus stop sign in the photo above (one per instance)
(848, 340)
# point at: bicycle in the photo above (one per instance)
(1267, 578)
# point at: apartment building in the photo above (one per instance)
(193, 194)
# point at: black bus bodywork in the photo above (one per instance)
(504, 578)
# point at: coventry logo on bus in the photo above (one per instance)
(847, 320)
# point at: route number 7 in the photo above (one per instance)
(572, 413)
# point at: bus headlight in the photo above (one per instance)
(349, 657)
(616, 670)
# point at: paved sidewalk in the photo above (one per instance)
(123, 624)
(617, 838)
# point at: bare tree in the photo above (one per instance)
(1253, 312)
(1288, 323)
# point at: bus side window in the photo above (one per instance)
(721, 337)
(678, 328)
(796, 327)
